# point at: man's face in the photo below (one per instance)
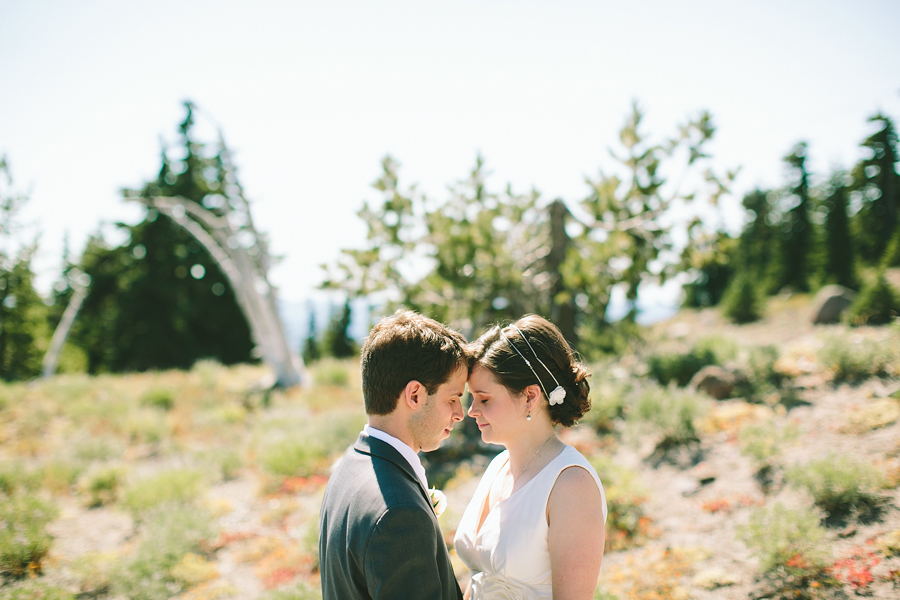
(432, 424)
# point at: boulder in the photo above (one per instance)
(715, 381)
(830, 302)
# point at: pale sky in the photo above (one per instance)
(311, 96)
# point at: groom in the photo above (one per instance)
(379, 536)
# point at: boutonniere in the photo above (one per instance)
(438, 501)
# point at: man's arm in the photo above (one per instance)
(401, 557)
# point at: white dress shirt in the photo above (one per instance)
(411, 457)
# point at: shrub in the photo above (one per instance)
(170, 533)
(879, 413)
(839, 485)
(173, 486)
(332, 372)
(146, 426)
(14, 477)
(58, 475)
(762, 442)
(159, 398)
(292, 457)
(854, 358)
(670, 413)
(793, 551)
(35, 590)
(24, 541)
(626, 524)
(300, 591)
(742, 302)
(680, 367)
(101, 485)
(98, 448)
(608, 402)
(877, 304)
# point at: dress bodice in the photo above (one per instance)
(509, 556)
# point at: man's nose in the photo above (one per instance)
(458, 412)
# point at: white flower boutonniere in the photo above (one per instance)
(438, 501)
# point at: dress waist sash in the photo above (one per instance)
(496, 587)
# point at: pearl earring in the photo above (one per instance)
(528, 416)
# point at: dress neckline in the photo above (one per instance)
(479, 525)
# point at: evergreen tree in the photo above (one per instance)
(877, 181)
(759, 249)
(23, 327)
(797, 234)
(338, 342)
(159, 300)
(311, 352)
(839, 251)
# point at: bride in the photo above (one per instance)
(535, 528)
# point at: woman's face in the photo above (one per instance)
(498, 414)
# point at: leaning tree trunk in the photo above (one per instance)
(51, 358)
(562, 312)
(247, 276)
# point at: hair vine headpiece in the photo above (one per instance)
(559, 393)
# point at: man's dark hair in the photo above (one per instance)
(404, 347)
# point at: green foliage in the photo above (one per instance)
(170, 533)
(311, 351)
(300, 591)
(878, 303)
(759, 246)
(878, 188)
(796, 227)
(764, 441)
(15, 478)
(609, 400)
(23, 326)
(742, 302)
(35, 590)
(303, 446)
(159, 398)
(669, 413)
(713, 265)
(24, 541)
(784, 538)
(487, 256)
(102, 485)
(627, 526)
(839, 250)
(178, 486)
(160, 300)
(839, 485)
(332, 373)
(337, 341)
(855, 358)
(680, 367)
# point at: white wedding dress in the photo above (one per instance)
(509, 556)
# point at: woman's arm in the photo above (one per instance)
(577, 534)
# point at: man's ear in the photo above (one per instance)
(414, 394)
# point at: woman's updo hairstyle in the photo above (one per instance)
(494, 351)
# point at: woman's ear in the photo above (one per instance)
(532, 396)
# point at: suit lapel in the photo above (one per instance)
(375, 447)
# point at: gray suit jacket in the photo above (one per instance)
(379, 537)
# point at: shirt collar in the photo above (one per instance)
(411, 457)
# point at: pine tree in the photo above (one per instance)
(159, 300)
(23, 327)
(311, 351)
(876, 179)
(759, 248)
(338, 342)
(839, 251)
(797, 234)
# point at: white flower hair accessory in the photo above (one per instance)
(438, 501)
(558, 395)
